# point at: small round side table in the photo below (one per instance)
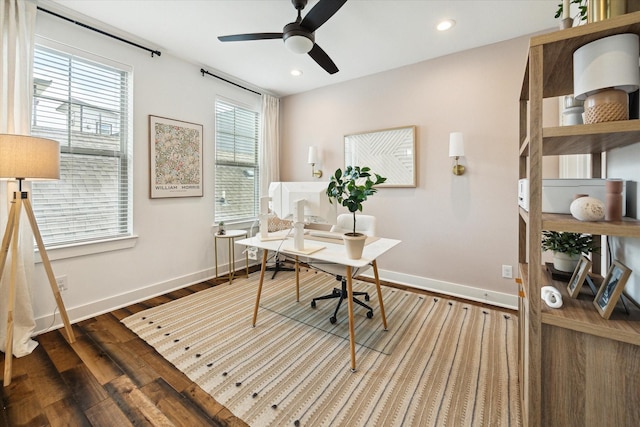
(230, 236)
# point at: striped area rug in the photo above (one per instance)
(441, 363)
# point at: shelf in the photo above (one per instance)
(579, 314)
(594, 138)
(590, 138)
(628, 227)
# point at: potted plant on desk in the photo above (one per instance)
(567, 248)
(351, 188)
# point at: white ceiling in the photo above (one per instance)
(364, 37)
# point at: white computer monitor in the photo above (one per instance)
(302, 202)
(317, 207)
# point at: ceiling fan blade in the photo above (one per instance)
(321, 13)
(321, 57)
(246, 37)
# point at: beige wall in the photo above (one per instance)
(456, 232)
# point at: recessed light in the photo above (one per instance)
(446, 24)
(296, 72)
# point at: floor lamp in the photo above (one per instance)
(25, 157)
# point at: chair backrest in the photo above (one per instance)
(365, 224)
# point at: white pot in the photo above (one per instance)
(565, 262)
(354, 244)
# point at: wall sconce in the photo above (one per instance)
(456, 149)
(313, 159)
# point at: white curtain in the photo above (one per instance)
(269, 149)
(17, 31)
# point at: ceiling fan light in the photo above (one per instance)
(298, 44)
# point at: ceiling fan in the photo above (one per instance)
(299, 36)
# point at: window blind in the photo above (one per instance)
(85, 106)
(237, 173)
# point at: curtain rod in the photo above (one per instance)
(153, 52)
(203, 71)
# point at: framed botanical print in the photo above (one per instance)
(175, 150)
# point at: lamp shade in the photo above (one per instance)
(607, 63)
(29, 157)
(313, 155)
(456, 144)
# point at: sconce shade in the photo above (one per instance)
(313, 155)
(29, 157)
(456, 144)
(607, 63)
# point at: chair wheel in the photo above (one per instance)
(369, 314)
(366, 297)
(313, 304)
(333, 320)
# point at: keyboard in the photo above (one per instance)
(325, 234)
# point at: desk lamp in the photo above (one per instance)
(26, 157)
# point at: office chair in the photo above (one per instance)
(365, 224)
(277, 224)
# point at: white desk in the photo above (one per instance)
(334, 253)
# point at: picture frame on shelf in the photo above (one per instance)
(579, 276)
(611, 288)
(175, 158)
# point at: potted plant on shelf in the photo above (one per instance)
(351, 188)
(221, 230)
(567, 20)
(567, 248)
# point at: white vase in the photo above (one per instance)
(565, 262)
(354, 244)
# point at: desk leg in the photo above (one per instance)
(382, 314)
(262, 270)
(352, 338)
(246, 261)
(297, 280)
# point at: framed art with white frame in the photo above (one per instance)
(389, 152)
(578, 277)
(611, 288)
(175, 151)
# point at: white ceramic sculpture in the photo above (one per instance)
(587, 209)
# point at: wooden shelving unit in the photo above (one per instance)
(576, 368)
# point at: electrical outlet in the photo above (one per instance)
(507, 272)
(62, 283)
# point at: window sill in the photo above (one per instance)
(88, 248)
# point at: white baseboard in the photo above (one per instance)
(499, 299)
(95, 308)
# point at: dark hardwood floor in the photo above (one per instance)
(108, 377)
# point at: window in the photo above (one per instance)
(237, 175)
(85, 106)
